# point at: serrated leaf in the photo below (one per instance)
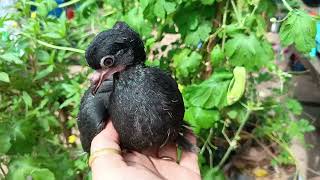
(201, 34)
(170, 7)
(186, 63)
(186, 23)
(159, 9)
(201, 118)
(294, 106)
(4, 77)
(210, 93)
(299, 29)
(27, 99)
(249, 51)
(135, 19)
(24, 168)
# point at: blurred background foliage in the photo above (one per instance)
(43, 75)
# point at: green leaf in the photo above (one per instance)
(4, 77)
(210, 93)
(153, 63)
(186, 23)
(207, 2)
(187, 63)
(294, 106)
(248, 51)
(299, 29)
(214, 173)
(44, 72)
(5, 142)
(43, 56)
(217, 56)
(24, 167)
(201, 118)
(170, 7)
(159, 9)
(232, 114)
(201, 34)
(135, 19)
(299, 128)
(42, 174)
(27, 99)
(11, 57)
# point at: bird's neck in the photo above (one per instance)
(129, 70)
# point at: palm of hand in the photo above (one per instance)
(134, 165)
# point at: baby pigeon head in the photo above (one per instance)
(113, 50)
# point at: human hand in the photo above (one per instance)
(134, 165)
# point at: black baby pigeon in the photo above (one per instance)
(145, 104)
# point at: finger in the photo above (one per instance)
(107, 138)
(137, 159)
(190, 159)
(172, 170)
(170, 151)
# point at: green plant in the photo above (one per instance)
(220, 53)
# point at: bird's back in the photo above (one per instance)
(146, 107)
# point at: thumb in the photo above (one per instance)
(107, 138)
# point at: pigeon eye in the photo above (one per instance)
(107, 61)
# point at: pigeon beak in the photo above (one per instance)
(102, 74)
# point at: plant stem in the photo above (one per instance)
(60, 47)
(207, 141)
(68, 3)
(285, 3)
(234, 140)
(54, 46)
(224, 20)
(238, 15)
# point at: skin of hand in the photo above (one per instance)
(137, 166)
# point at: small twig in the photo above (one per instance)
(236, 12)
(313, 171)
(68, 3)
(233, 143)
(265, 148)
(54, 46)
(207, 141)
(60, 47)
(224, 133)
(224, 20)
(211, 38)
(210, 157)
(285, 3)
